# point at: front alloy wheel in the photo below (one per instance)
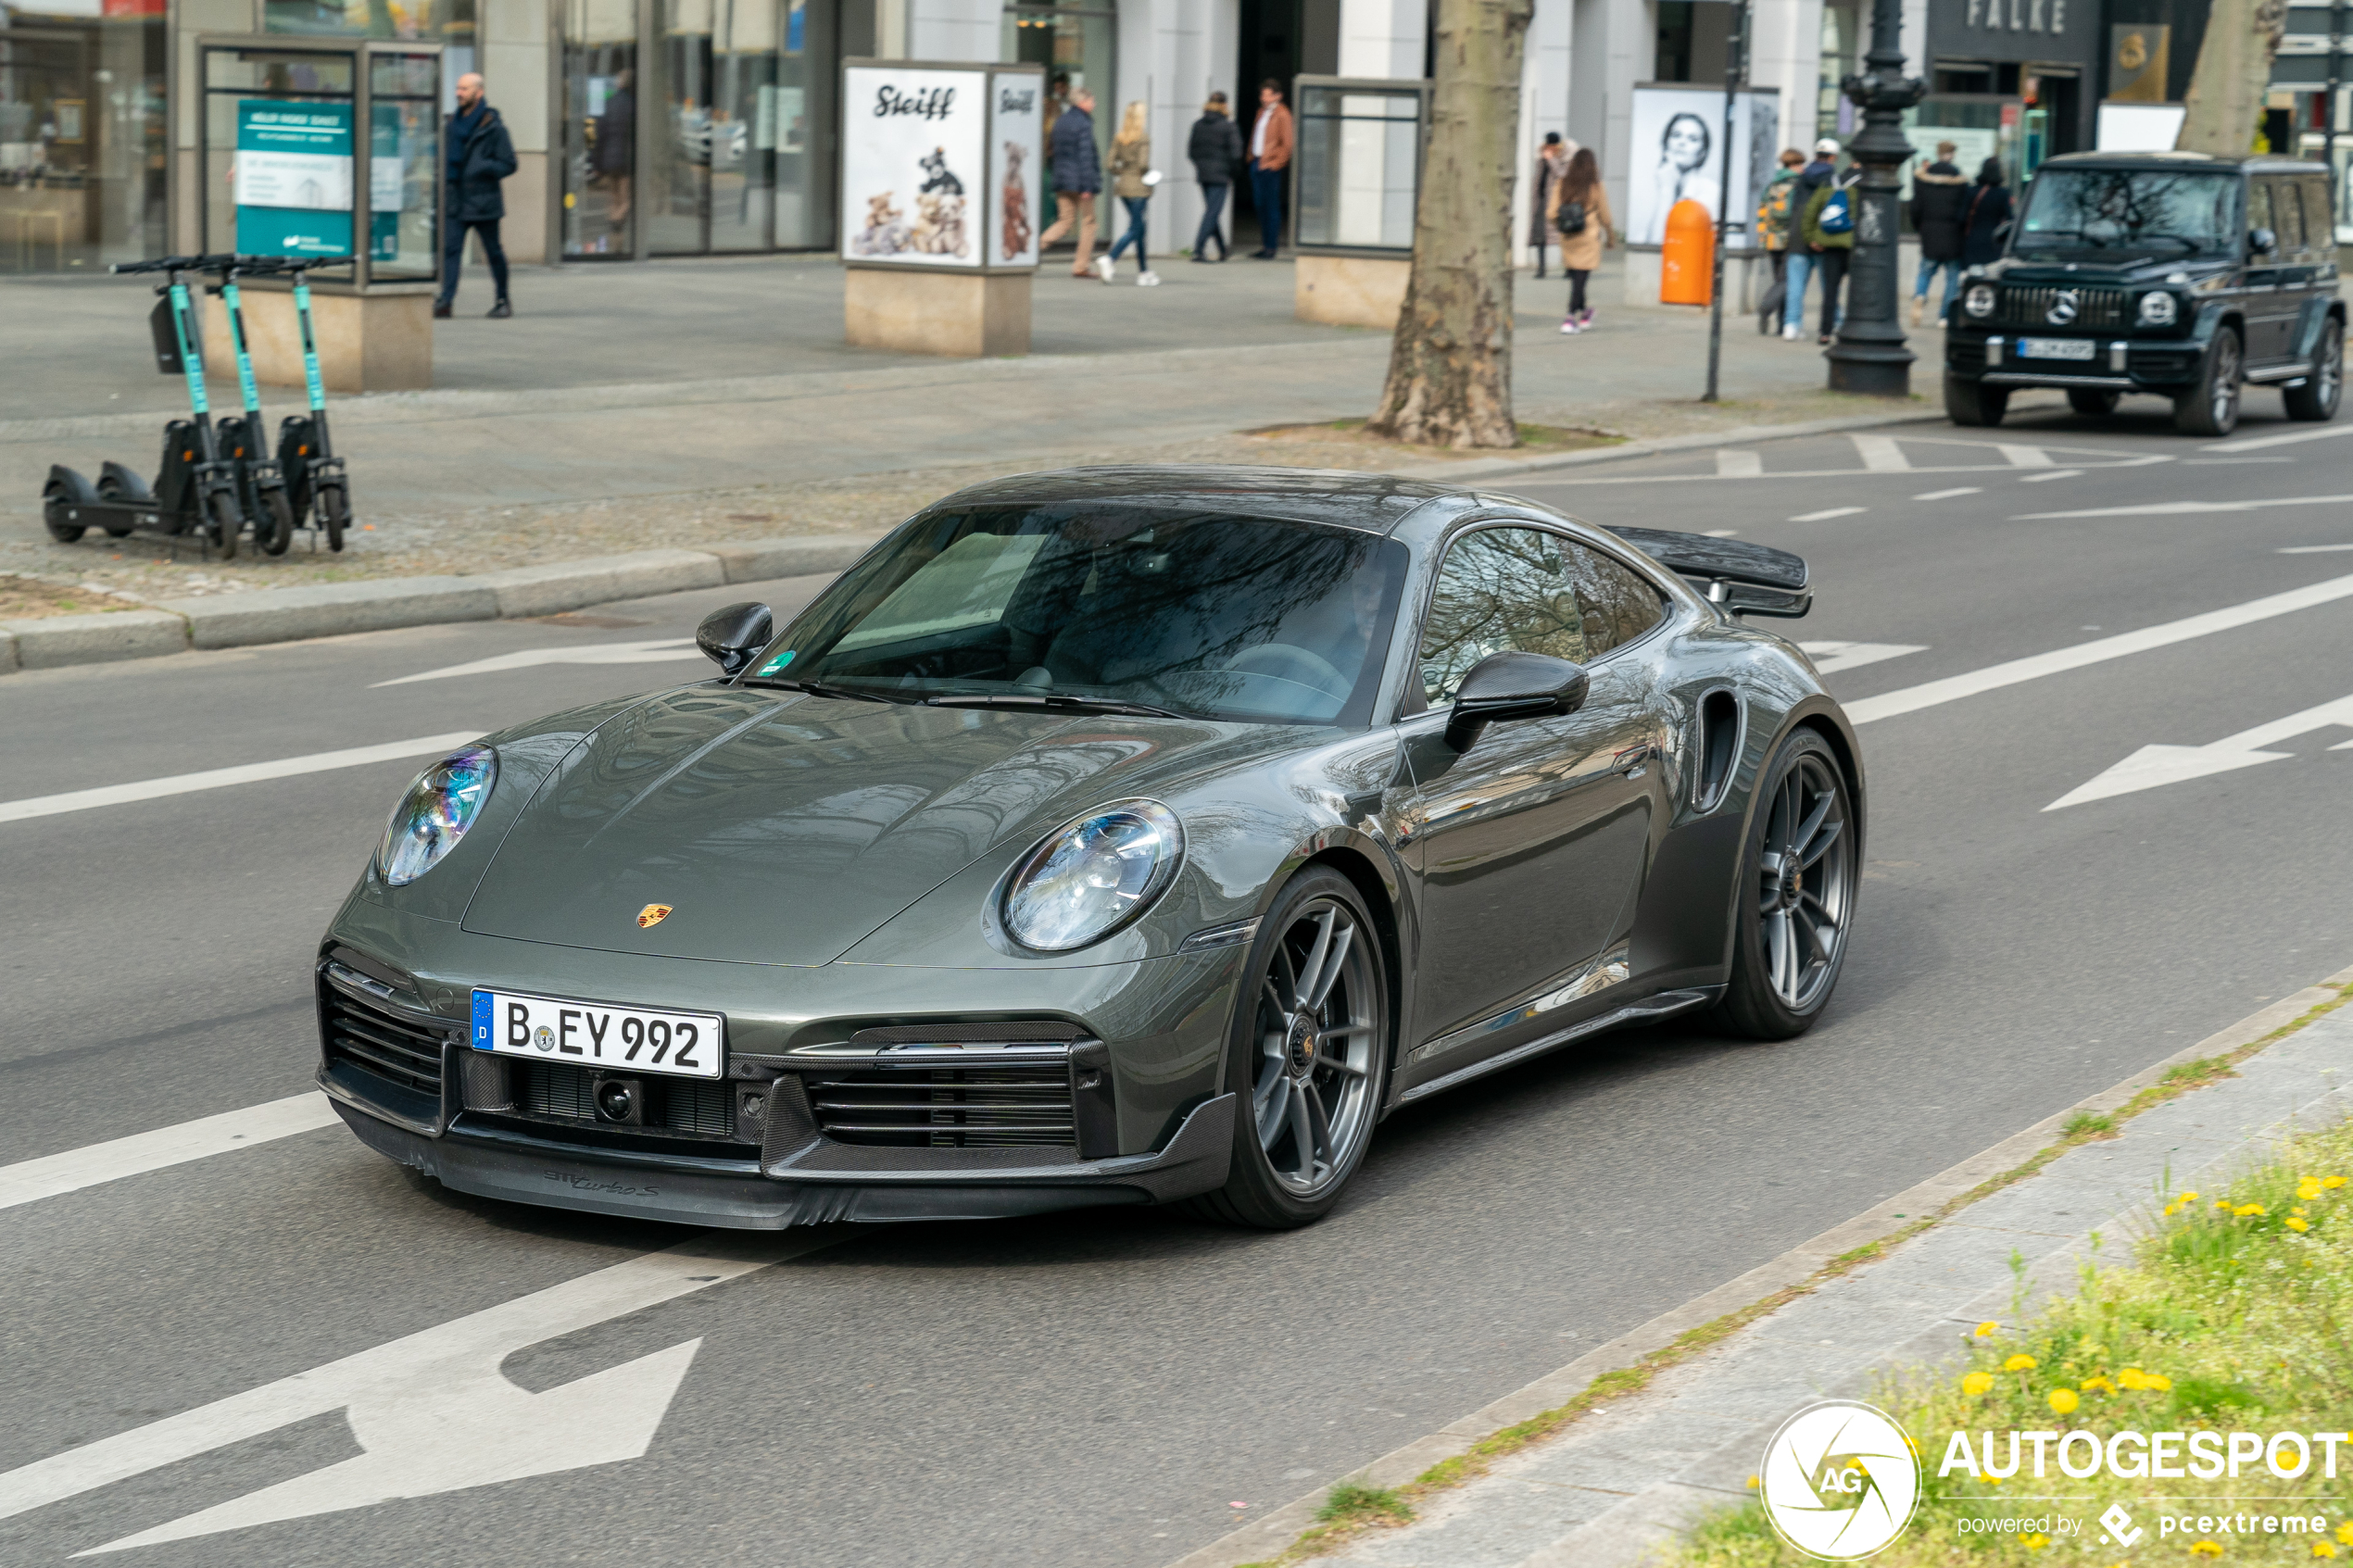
(1796, 893)
(2212, 407)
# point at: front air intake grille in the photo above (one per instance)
(696, 1107)
(382, 1043)
(2095, 309)
(946, 1107)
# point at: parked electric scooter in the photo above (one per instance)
(243, 439)
(315, 482)
(196, 487)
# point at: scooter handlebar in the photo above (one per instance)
(174, 264)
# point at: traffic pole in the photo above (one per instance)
(1869, 355)
(1735, 69)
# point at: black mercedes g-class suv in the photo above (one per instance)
(2177, 274)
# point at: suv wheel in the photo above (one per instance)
(1974, 403)
(2317, 398)
(2212, 407)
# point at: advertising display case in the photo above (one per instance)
(942, 190)
(1358, 180)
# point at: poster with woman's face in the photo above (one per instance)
(1678, 154)
(1016, 188)
(914, 165)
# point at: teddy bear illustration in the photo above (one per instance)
(1014, 213)
(936, 177)
(885, 233)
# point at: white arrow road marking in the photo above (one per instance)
(2052, 473)
(1830, 657)
(575, 653)
(218, 778)
(2259, 442)
(1880, 454)
(1732, 464)
(2035, 667)
(433, 1410)
(1948, 495)
(96, 1163)
(2312, 549)
(2154, 765)
(1826, 516)
(2172, 508)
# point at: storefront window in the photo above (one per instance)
(81, 136)
(1071, 39)
(1842, 57)
(600, 128)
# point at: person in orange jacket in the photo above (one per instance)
(1270, 146)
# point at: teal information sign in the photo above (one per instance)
(293, 178)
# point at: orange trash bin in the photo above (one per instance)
(1687, 269)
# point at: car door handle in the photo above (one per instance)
(1630, 760)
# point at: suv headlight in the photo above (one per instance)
(1979, 301)
(2158, 309)
(435, 813)
(1091, 877)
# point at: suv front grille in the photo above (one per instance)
(946, 1107)
(383, 1044)
(698, 1107)
(2095, 309)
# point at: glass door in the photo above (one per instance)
(743, 146)
(798, 121)
(600, 128)
(678, 158)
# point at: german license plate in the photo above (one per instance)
(683, 1045)
(2057, 347)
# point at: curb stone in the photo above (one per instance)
(332, 609)
(1621, 1535)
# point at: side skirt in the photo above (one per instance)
(1650, 1009)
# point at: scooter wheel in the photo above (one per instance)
(226, 522)
(334, 512)
(110, 491)
(273, 530)
(53, 501)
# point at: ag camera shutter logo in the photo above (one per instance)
(1839, 1480)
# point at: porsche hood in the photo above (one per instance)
(780, 829)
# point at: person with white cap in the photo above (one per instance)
(1804, 257)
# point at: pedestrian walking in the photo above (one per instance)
(1551, 164)
(1215, 148)
(613, 158)
(1580, 214)
(1804, 259)
(481, 154)
(1989, 208)
(1940, 212)
(1078, 178)
(1132, 182)
(1776, 219)
(1829, 229)
(1270, 145)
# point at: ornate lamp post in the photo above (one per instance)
(1869, 355)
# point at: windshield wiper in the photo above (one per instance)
(842, 694)
(1051, 702)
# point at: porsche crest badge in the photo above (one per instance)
(653, 914)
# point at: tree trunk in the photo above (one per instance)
(1450, 366)
(2233, 76)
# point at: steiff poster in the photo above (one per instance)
(914, 165)
(1016, 181)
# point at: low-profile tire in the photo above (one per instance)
(2317, 398)
(335, 514)
(2212, 407)
(224, 520)
(53, 501)
(1793, 921)
(273, 530)
(1974, 403)
(2094, 400)
(1307, 1057)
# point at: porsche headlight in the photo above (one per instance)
(1091, 877)
(2158, 309)
(435, 813)
(1979, 300)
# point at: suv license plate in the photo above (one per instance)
(680, 1045)
(2057, 347)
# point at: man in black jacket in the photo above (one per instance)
(1939, 211)
(481, 154)
(1215, 147)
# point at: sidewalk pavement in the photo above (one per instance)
(1615, 1486)
(682, 402)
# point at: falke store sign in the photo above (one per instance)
(2050, 31)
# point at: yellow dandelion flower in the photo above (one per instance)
(2158, 1382)
(2036, 1541)
(1977, 1383)
(2102, 1383)
(2171, 1209)
(2308, 1188)
(2064, 1400)
(2345, 1534)
(2131, 1379)
(1987, 1330)
(2246, 1210)
(2335, 1181)
(2019, 1363)
(2296, 1223)
(2323, 1548)
(2206, 1548)
(1751, 1483)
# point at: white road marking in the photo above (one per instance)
(2154, 765)
(97, 1163)
(1830, 657)
(1826, 516)
(571, 653)
(1722, 533)
(2023, 456)
(2058, 661)
(1948, 495)
(2174, 508)
(2312, 549)
(1586, 481)
(218, 778)
(2290, 439)
(1880, 454)
(2219, 463)
(2052, 473)
(432, 1410)
(1734, 464)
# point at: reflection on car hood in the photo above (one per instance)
(780, 829)
(2122, 271)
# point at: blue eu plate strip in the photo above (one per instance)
(482, 1021)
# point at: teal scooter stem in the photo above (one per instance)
(261, 484)
(315, 481)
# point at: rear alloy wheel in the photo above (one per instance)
(2317, 398)
(2212, 407)
(2092, 400)
(1974, 403)
(1308, 1057)
(1796, 896)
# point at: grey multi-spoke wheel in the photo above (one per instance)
(2317, 398)
(1796, 898)
(2212, 407)
(1309, 1055)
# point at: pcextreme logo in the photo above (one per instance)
(1839, 1480)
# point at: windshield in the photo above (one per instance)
(1194, 613)
(2151, 211)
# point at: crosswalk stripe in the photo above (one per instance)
(2023, 456)
(1731, 463)
(1880, 454)
(28, 1181)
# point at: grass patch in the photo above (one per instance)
(1534, 439)
(2235, 1313)
(1365, 1505)
(27, 598)
(2088, 1124)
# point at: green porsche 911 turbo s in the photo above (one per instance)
(1114, 835)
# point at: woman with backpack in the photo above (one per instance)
(1131, 181)
(1578, 209)
(1773, 222)
(1989, 208)
(1829, 230)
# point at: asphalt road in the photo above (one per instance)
(1104, 1388)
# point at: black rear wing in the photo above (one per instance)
(1745, 578)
